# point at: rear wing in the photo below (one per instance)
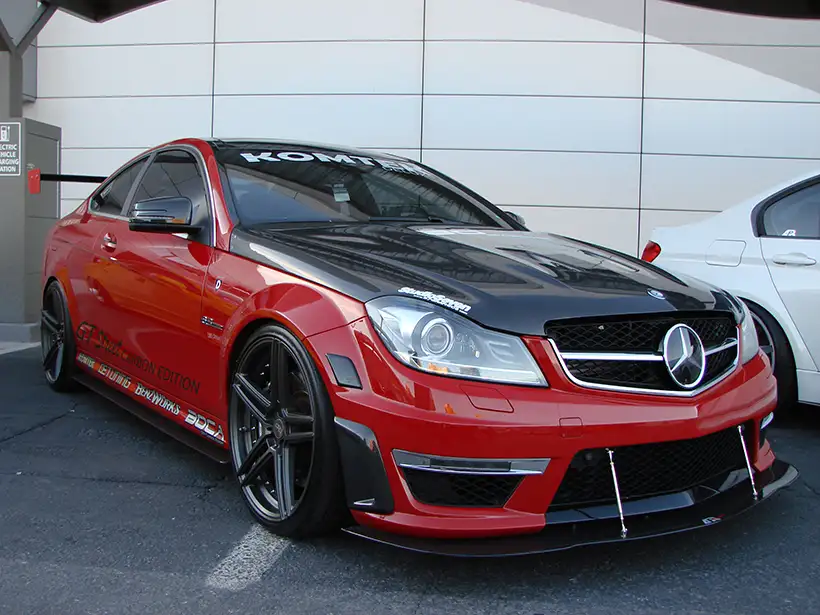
(35, 177)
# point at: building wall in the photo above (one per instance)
(593, 118)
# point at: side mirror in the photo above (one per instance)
(167, 214)
(517, 218)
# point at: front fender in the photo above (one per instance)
(305, 309)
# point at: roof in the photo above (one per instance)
(100, 10)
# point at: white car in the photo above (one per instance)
(766, 251)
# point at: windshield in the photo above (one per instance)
(310, 185)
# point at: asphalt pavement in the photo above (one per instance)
(100, 513)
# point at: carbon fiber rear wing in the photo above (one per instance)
(36, 177)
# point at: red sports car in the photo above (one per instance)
(374, 347)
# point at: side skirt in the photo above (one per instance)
(166, 426)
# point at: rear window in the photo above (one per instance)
(300, 185)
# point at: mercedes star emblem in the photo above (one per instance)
(684, 356)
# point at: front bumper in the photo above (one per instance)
(654, 520)
(389, 412)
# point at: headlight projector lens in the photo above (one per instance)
(437, 337)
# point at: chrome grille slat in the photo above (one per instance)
(599, 354)
(638, 356)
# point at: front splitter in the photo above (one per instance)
(560, 537)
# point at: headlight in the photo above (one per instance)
(749, 344)
(436, 340)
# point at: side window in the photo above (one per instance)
(796, 215)
(111, 199)
(176, 173)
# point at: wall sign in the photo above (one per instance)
(11, 159)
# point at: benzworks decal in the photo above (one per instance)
(207, 426)
(158, 399)
(88, 332)
(434, 298)
(398, 166)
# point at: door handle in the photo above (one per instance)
(109, 242)
(795, 259)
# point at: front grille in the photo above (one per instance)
(646, 470)
(719, 362)
(643, 374)
(456, 489)
(637, 334)
(584, 344)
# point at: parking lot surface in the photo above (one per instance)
(101, 513)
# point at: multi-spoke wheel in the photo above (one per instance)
(282, 438)
(56, 339)
(775, 345)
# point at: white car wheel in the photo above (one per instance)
(775, 345)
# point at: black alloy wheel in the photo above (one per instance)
(56, 339)
(282, 437)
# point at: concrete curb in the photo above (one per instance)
(24, 333)
(9, 347)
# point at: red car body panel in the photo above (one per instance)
(139, 308)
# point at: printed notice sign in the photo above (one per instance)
(11, 159)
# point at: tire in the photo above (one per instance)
(288, 447)
(776, 346)
(57, 340)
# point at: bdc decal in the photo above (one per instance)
(91, 334)
(206, 426)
